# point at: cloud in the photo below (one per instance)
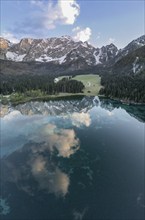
(82, 34)
(49, 177)
(9, 36)
(79, 119)
(76, 29)
(38, 168)
(49, 14)
(63, 140)
(111, 40)
(70, 10)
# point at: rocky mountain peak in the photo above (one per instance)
(4, 44)
(26, 41)
(65, 51)
(139, 41)
(132, 46)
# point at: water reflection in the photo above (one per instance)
(74, 164)
(79, 119)
(48, 176)
(38, 130)
(26, 164)
(63, 140)
(4, 207)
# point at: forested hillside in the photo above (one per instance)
(127, 87)
(127, 79)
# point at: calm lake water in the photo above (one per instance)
(73, 160)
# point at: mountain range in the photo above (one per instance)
(63, 55)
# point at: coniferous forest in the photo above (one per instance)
(126, 80)
(24, 83)
(126, 87)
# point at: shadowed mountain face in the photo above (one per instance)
(132, 46)
(126, 78)
(63, 56)
(61, 50)
(132, 63)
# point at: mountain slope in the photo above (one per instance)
(132, 46)
(132, 63)
(127, 78)
(61, 50)
(63, 56)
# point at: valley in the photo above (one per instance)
(72, 110)
(27, 74)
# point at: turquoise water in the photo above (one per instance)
(83, 162)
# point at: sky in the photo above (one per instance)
(100, 22)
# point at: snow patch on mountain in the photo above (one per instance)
(97, 57)
(136, 66)
(62, 50)
(14, 56)
(45, 58)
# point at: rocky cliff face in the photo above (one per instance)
(4, 46)
(62, 54)
(63, 50)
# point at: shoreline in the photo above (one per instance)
(7, 100)
(126, 102)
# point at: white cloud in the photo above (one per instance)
(70, 10)
(52, 180)
(64, 140)
(50, 14)
(82, 34)
(76, 29)
(79, 119)
(9, 36)
(111, 40)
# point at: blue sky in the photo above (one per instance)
(99, 22)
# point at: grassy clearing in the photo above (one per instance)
(91, 82)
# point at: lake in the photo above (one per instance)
(79, 159)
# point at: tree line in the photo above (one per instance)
(23, 83)
(126, 87)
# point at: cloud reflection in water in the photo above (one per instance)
(33, 160)
(24, 166)
(63, 140)
(49, 177)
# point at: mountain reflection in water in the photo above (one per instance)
(73, 159)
